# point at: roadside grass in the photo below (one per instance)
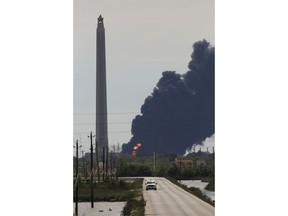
(136, 205)
(193, 190)
(104, 191)
(211, 185)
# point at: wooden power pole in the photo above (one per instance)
(91, 171)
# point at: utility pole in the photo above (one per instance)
(91, 171)
(154, 159)
(76, 192)
(180, 168)
(154, 162)
(111, 164)
(103, 159)
(97, 159)
(213, 157)
(114, 148)
(84, 170)
(107, 160)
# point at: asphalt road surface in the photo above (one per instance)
(171, 200)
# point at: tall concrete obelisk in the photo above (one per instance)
(101, 95)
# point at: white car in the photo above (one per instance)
(151, 184)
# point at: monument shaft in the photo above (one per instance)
(101, 95)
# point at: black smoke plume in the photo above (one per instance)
(180, 110)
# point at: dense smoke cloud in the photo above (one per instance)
(180, 110)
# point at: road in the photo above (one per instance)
(171, 200)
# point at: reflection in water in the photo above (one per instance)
(199, 184)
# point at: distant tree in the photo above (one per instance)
(173, 171)
(134, 169)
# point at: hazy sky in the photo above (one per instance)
(143, 39)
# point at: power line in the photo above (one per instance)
(93, 123)
(116, 113)
(108, 132)
(157, 121)
(192, 130)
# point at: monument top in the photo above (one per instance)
(100, 20)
